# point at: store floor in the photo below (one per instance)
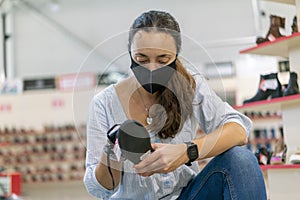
(74, 190)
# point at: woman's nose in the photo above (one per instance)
(152, 66)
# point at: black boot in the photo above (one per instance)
(269, 85)
(294, 25)
(293, 87)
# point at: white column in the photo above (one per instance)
(290, 123)
(297, 2)
(2, 75)
(10, 46)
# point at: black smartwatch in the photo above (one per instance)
(192, 152)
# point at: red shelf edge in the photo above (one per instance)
(288, 166)
(269, 101)
(270, 42)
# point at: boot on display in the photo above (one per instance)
(292, 87)
(269, 86)
(276, 23)
(294, 25)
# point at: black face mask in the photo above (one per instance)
(156, 80)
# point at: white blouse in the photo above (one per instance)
(209, 112)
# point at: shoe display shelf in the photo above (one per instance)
(289, 106)
(282, 180)
(55, 154)
(266, 131)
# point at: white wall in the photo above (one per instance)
(2, 76)
(42, 49)
(48, 107)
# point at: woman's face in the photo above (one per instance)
(153, 49)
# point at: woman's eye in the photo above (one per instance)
(163, 61)
(141, 60)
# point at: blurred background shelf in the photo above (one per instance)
(292, 2)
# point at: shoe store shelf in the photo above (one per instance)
(268, 167)
(282, 181)
(272, 104)
(289, 106)
(40, 156)
(279, 47)
(292, 2)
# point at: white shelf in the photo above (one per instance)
(290, 108)
(283, 181)
(279, 47)
(272, 104)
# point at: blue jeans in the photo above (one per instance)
(234, 174)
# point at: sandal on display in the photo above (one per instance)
(279, 158)
(295, 158)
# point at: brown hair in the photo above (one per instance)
(176, 99)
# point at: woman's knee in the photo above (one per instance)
(239, 156)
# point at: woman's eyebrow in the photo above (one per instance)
(160, 56)
(165, 55)
(140, 54)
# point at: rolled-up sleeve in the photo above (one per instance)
(96, 139)
(211, 111)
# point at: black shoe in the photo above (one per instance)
(263, 156)
(269, 85)
(293, 87)
(134, 141)
(294, 25)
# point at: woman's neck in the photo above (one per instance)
(144, 95)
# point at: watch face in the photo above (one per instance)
(193, 152)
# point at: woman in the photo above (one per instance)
(170, 102)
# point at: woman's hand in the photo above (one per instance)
(164, 159)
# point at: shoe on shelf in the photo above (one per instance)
(276, 160)
(295, 158)
(263, 156)
(292, 87)
(269, 86)
(279, 158)
(294, 25)
(276, 22)
(279, 155)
